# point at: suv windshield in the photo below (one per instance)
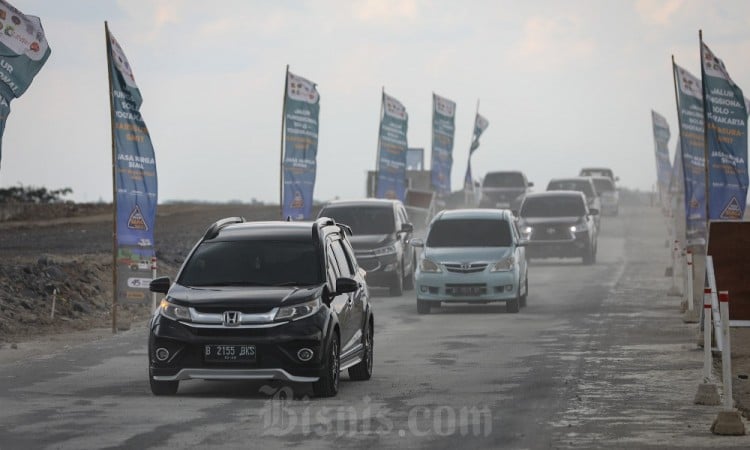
(597, 173)
(572, 185)
(363, 219)
(504, 179)
(603, 185)
(252, 263)
(470, 233)
(553, 206)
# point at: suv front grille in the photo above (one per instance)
(465, 268)
(242, 309)
(552, 233)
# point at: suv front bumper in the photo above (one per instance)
(276, 349)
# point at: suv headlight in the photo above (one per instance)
(526, 232)
(504, 265)
(429, 266)
(173, 311)
(581, 226)
(298, 311)
(387, 250)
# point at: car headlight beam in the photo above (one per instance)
(387, 250)
(298, 311)
(173, 311)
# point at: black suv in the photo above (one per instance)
(558, 224)
(264, 301)
(504, 190)
(381, 240)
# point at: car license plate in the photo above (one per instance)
(229, 353)
(465, 290)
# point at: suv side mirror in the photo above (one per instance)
(407, 227)
(531, 184)
(594, 211)
(417, 242)
(344, 285)
(160, 285)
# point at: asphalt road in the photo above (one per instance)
(598, 358)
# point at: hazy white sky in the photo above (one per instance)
(564, 84)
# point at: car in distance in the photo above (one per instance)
(504, 189)
(608, 195)
(472, 256)
(263, 301)
(381, 239)
(558, 224)
(598, 172)
(583, 184)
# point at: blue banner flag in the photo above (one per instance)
(480, 124)
(726, 139)
(134, 170)
(663, 166)
(392, 147)
(692, 150)
(23, 52)
(443, 130)
(301, 111)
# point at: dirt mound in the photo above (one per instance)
(81, 290)
(67, 249)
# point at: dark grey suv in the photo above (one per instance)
(381, 239)
(504, 190)
(264, 301)
(559, 224)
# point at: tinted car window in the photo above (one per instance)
(345, 266)
(363, 220)
(252, 263)
(572, 185)
(563, 206)
(603, 185)
(470, 233)
(504, 180)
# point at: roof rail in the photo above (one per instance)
(347, 229)
(214, 229)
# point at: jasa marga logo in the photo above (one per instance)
(732, 211)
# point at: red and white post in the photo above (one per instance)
(707, 335)
(729, 421)
(153, 276)
(675, 290)
(726, 355)
(689, 288)
(708, 392)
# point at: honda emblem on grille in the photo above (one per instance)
(232, 318)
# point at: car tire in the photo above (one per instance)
(513, 306)
(363, 370)
(397, 285)
(525, 292)
(328, 384)
(409, 278)
(423, 307)
(163, 387)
